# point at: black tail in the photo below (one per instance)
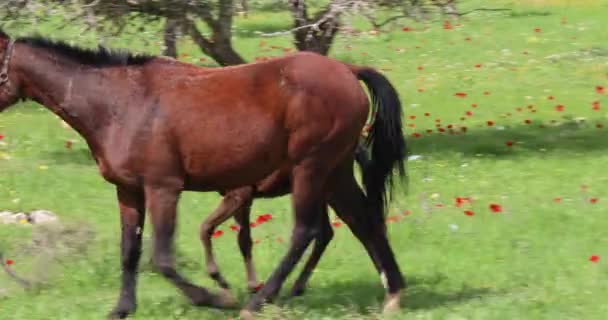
(388, 148)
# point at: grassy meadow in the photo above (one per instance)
(505, 216)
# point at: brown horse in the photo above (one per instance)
(157, 127)
(237, 203)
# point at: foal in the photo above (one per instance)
(237, 203)
(157, 127)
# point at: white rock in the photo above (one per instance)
(6, 217)
(42, 216)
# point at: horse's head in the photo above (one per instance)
(9, 81)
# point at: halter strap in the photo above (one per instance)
(5, 62)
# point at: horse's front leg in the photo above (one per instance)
(233, 202)
(162, 204)
(132, 216)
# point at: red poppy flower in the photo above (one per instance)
(9, 262)
(460, 94)
(495, 208)
(337, 224)
(406, 29)
(558, 200)
(441, 130)
(559, 108)
(447, 25)
(478, 66)
(596, 105)
(528, 121)
(593, 200)
(411, 125)
(509, 143)
(416, 135)
(600, 89)
(462, 200)
(392, 219)
(490, 123)
(474, 105)
(407, 212)
(258, 287)
(594, 258)
(412, 117)
(234, 227)
(450, 126)
(264, 218)
(469, 213)
(421, 90)
(1, 137)
(469, 113)
(420, 68)
(537, 30)
(254, 224)
(426, 114)
(550, 97)
(218, 233)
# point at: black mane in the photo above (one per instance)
(101, 57)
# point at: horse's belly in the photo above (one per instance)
(228, 168)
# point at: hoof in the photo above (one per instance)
(119, 313)
(391, 303)
(225, 300)
(246, 315)
(297, 291)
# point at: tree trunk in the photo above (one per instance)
(220, 51)
(170, 37)
(316, 34)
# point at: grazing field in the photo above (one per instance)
(504, 216)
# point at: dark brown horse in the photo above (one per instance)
(157, 127)
(237, 203)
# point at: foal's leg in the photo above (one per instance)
(350, 204)
(308, 201)
(326, 233)
(162, 204)
(132, 216)
(232, 202)
(245, 244)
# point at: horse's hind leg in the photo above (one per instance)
(308, 200)
(245, 244)
(326, 233)
(162, 204)
(132, 216)
(233, 202)
(350, 204)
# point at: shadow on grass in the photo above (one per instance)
(515, 141)
(367, 295)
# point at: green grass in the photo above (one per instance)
(530, 261)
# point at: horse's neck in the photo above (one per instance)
(63, 89)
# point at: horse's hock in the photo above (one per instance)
(34, 217)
